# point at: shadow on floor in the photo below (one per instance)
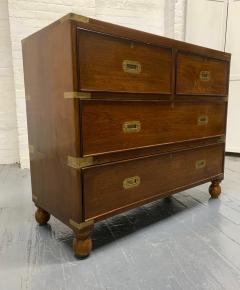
(123, 225)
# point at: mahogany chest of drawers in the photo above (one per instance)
(118, 118)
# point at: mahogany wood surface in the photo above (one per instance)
(189, 69)
(41, 216)
(82, 243)
(52, 130)
(161, 123)
(215, 189)
(128, 76)
(108, 75)
(103, 184)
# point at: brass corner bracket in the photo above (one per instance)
(75, 17)
(78, 162)
(222, 139)
(28, 98)
(77, 95)
(34, 197)
(80, 226)
(31, 148)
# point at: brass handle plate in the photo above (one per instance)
(203, 120)
(200, 164)
(131, 66)
(131, 126)
(131, 182)
(204, 75)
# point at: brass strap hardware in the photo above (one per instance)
(131, 182)
(77, 95)
(131, 126)
(131, 66)
(31, 148)
(222, 139)
(78, 162)
(34, 197)
(72, 16)
(204, 75)
(202, 120)
(28, 98)
(200, 164)
(80, 226)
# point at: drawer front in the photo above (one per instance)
(117, 65)
(115, 186)
(116, 125)
(201, 75)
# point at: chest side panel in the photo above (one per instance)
(53, 122)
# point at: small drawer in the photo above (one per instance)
(111, 187)
(110, 126)
(201, 75)
(114, 64)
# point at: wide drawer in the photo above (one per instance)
(110, 187)
(201, 75)
(113, 64)
(110, 126)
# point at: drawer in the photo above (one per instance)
(123, 184)
(201, 75)
(113, 64)
(110, 126)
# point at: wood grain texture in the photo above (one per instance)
(52, 121)
(153, 150)
(189, 69)
(148, 38)
(103, 185)
(215, 189)
(41, 216)
(82, 243)
(101, 60)
(161, 123)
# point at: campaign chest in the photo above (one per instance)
(118, 118)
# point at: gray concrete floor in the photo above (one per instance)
(187, 242)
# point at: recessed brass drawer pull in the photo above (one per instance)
(203, 120)
(131, 66)
(131, 126)
(204, 75)
(131, 182)
(200, 164)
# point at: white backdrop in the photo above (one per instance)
(219, 29)
(233, 46)
(8, 123)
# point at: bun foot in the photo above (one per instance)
(42, 216)
(82, 248)
(215, 189)
(82, 243)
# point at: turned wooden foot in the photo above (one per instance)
(215, 189)
(41, 216)
(82, 243)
